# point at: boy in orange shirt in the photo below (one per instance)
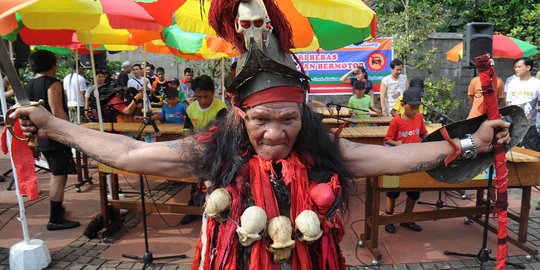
(406, 128)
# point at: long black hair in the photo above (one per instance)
(227, 148)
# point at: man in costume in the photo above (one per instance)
(269, 159)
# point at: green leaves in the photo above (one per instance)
(438, 94)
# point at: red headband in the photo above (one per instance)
(275, 94)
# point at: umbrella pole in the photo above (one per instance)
(223, 79)
(145, 96)
(96, 92)
(27, 254)
(78, 87)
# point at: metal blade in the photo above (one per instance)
(9, 69)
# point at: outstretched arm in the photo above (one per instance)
(169, 159)
(365, 160)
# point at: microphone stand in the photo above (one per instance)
(483, 254)
(148, 120)
(148, 257)
(444, 119)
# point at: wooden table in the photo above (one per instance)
(372, 135)
(328, 111)
(110, 224)
(168, 131)
(369, 121)
(523, 168)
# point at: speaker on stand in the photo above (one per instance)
(477, 40)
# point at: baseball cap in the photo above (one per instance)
(175, 81)
(413, 96)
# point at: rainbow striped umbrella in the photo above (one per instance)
(503, 47)
(326, 24)
(189, 43)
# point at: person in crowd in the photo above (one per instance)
(46, 87)
(408, 127)
(123, 77)
(186, 85)
(138, 80)
(524, 91)
(476, 98)
(206, 108)
(173, 112)
(100, 78)
(75, 87)
(200, 114)
(398, 109)
(123, 106)
(175, 83)
(158, 88)
(270, 154)
(360, 74)
(150, 72)
(392, 86)
(360, 101)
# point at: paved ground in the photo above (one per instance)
(83, 253)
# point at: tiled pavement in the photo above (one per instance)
(84, 253)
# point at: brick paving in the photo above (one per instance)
(83, 253)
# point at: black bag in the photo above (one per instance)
(106, 93)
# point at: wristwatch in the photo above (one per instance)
(468, 148)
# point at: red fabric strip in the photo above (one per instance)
(457, 149)
(275, 94)
(22, 156)
(487, 77)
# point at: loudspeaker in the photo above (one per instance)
(100, 60)
(477, 40)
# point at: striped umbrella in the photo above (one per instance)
(331, 24)
(503, 47)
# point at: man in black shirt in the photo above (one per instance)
(45, 86)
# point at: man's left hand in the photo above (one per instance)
(491, 132)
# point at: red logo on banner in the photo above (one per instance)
(376, 61)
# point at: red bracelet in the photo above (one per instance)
(457, 149)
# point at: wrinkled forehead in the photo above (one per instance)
(276, 108)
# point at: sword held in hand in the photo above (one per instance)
(20, 94)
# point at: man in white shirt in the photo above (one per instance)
(75, 87)
(392, 86)
(524, 91)
(138, 80)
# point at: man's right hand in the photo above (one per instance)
(33, 120)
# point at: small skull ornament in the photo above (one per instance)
(308, 224)
(252, 223)
(252, 21)
(280, 231)
(218, 202)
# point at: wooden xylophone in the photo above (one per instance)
(523, 168)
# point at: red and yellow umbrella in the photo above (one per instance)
(331, 24)
(503, 47)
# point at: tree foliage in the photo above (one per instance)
(410, 26)
(515, 18)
